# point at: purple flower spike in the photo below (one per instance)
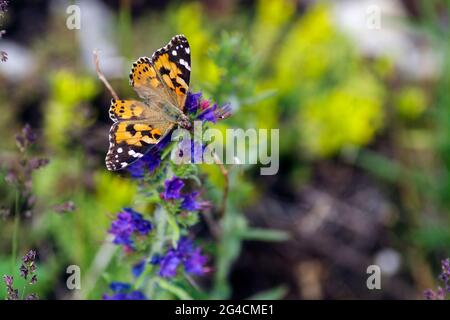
(12, 293)
(190, 202)
(121, 291)
(150, 161)
(440, 292)
(169, 264)
(195, 263)
(128, 222)
(445, 275)
(185, 253)
(173, 188)
(193, 102)
(119, 286)
(138, 268)
(28, 267)
(208, 114)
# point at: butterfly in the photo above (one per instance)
(162, 83)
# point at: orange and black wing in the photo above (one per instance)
(130, 140)
(164, 76)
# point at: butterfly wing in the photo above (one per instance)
(127, 110)
(129, 140)
(164, 77)
(147, 84)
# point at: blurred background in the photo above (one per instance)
(360, 91)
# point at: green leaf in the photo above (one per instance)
(167, 150)
(265, 234)
(276, 293)
(175, 229)
(175, 290)
(229, 247)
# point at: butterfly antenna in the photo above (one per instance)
(102, 77)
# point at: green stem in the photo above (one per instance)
(177, 291)
(15, 237)
(23, 290)
(161, 223)
(175, 228)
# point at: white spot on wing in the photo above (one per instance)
(135, 154)
(185, 64)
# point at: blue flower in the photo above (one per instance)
(190, 202)
(185, 253)
(208, 114)
(121, 291)
(150, 161)
(155, 259)
(169, 264)
(133, 295)
(195, 262)
(122, 229)
(136, 295)
(212, 113)
(173, 188)
(138, 268)
(128, 222)
(119, 286)
(192, 103)
(141, 226)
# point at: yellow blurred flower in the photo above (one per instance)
(271, 17)
(311, 48)
(348, 115)
(62, 114)
(410, 102)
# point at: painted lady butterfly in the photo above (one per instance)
(162, 82)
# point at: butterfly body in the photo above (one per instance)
(162, 82)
